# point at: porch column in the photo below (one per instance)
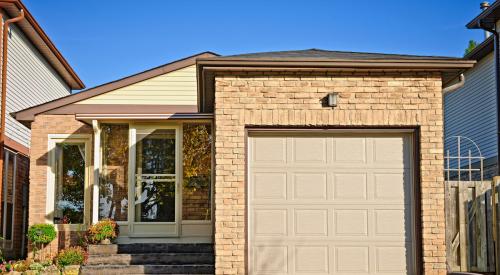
(97, 165)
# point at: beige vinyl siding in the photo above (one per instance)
(174, 88)
(31, 80)
(471, 110)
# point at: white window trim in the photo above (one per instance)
(53, 139)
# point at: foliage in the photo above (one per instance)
(41, 233)
(104, 229)
(6, 267)
(21, 266)
(470, 47)
(71, 256)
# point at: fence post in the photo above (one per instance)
(496, 235)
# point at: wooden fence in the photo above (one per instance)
(470, 226)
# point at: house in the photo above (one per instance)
(309, 161)
(471, 110)
(35, 73)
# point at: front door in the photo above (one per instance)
(154, 180)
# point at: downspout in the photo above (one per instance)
(5, 33)
(454, 87)
(494, 182)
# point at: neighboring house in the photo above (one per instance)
(471, 110)
(36, 73)
(253, 154)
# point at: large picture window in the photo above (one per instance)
(197, 163)
(69, 160)
(70, 183)
(113, 186)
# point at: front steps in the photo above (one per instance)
(150, 258)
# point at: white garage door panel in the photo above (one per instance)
(337, 204)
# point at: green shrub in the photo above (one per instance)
(41, 233)
(105, 229)
(71, 256)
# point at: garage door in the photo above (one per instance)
(330, 204)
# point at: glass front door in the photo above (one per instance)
(155, 149)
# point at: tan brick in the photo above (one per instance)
(370, 99)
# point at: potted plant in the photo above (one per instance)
(70, 259)
(103, 232)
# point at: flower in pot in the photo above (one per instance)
(103, 232)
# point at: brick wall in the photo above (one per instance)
(285, 99)
(40, 129)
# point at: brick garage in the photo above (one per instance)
(242, 99)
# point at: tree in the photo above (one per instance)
(472, 45)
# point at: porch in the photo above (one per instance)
(154, 177)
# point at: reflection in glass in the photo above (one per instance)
(155, 176)
(70, 183)
(197, 163)
(8, 195)
(113, 186)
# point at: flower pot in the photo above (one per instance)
(106, 241)
(71, 270)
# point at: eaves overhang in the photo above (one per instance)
(209, 67)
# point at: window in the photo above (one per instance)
(197, 164)
(113, 186)
(155, 172)
(70, 183)
(8, 196)
(66, 193)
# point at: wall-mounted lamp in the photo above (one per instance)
(332, 99)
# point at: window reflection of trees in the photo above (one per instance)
(155, 161)
(70, 183)
(113, 186)
(197, 163)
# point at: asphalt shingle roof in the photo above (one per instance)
(333, 55)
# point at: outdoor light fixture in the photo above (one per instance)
(332, 99)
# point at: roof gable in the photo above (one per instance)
(30, 113)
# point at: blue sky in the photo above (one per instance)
(108, 39)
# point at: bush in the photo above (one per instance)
(21, 266)
(41, 233)
(105, 229)
(71, 256)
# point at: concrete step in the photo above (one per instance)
(143, 248)
(152, 258)
(148, 269)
